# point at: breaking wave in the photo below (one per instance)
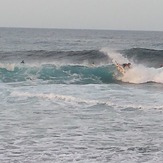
(82, 67)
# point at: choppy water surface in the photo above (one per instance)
(68, 103)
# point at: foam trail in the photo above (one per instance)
(51, 96)
(76, 100)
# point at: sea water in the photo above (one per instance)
(68, 103)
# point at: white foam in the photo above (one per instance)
(52, 96)
(142, 74)
(89, 102)
(9, 67)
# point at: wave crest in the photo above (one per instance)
(84, 67)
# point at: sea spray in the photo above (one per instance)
(114, 56)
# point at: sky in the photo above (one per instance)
(83, 14)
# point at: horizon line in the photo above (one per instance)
(99, 29)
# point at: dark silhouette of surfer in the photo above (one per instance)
(22, 62)
(126, 65)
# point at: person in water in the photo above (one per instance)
(126, 65)
(22, 61)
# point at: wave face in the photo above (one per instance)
(149, 57)
(70, 74)
(82, 67)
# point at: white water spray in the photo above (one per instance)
(137, 73)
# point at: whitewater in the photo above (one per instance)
(67, 102)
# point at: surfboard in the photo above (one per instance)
(119, 68)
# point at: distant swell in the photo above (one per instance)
(64, 57)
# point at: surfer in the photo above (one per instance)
(122, 68)
(126, 65)
(22, 61)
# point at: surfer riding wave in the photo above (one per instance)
(122, 67)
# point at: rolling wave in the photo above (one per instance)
(82, 67)
(150, 57)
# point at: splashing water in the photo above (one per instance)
(138, 73)
(142, 74)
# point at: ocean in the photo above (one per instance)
(63, 100)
